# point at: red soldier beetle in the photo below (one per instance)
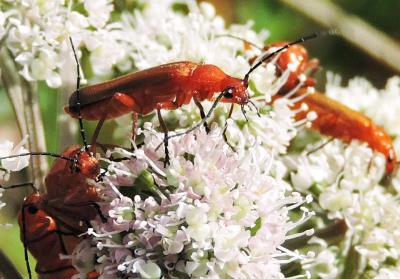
(339, 121)
(334, 119)
(297, 57)
(43, 226)
(73, 167)
(55, 218)
(42, 236)
(154, 89)
(168, 86)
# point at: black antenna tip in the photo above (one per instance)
(309, 37)
(298, 41)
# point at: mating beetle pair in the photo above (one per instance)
(71, 199)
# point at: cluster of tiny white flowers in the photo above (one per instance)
(212, 212)
(335, 166)
(163, 35)
(221, 208)
(380, 105)
(362, 96)
(384, 273)
(323, 265)
(346, 178)
(37, 32)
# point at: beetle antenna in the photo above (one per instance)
(269, 55)
(78, 97)
(24, 241)
(19, 186)
(241, 39)
(74, 160)
(40, 154)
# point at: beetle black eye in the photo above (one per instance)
(32, 209)
(228, 92)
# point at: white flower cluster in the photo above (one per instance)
(224, 206)
(212, 213)
(36, 32)
(346, 178)
(379, 104)
(37, 35)
(164, 34)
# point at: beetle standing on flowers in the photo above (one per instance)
(334, 119)
(56, 218)
(168, 86)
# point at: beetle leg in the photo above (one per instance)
(320, 146)
(119, 101)
(165, 105)
(97, 132)
(202, 114)
(165, 130)
(224, 132)
(60, 238)
(134, 128)
(93, 204)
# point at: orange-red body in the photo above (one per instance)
(43, 239)
(61, 214)
(297, 57)
(334, 119)
(70, 194)
(166, 86)
(62, 182)
(337, 120)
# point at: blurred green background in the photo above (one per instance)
(283, 23)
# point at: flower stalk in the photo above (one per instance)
(25, 103)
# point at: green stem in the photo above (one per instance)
(7, 268)
(352, 264)
(24, 100)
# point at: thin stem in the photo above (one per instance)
(36, 138)
(24, 100)
(11, 84)
(352, 263)
(7, 268)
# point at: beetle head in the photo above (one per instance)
(85, 163)
(235, 91)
